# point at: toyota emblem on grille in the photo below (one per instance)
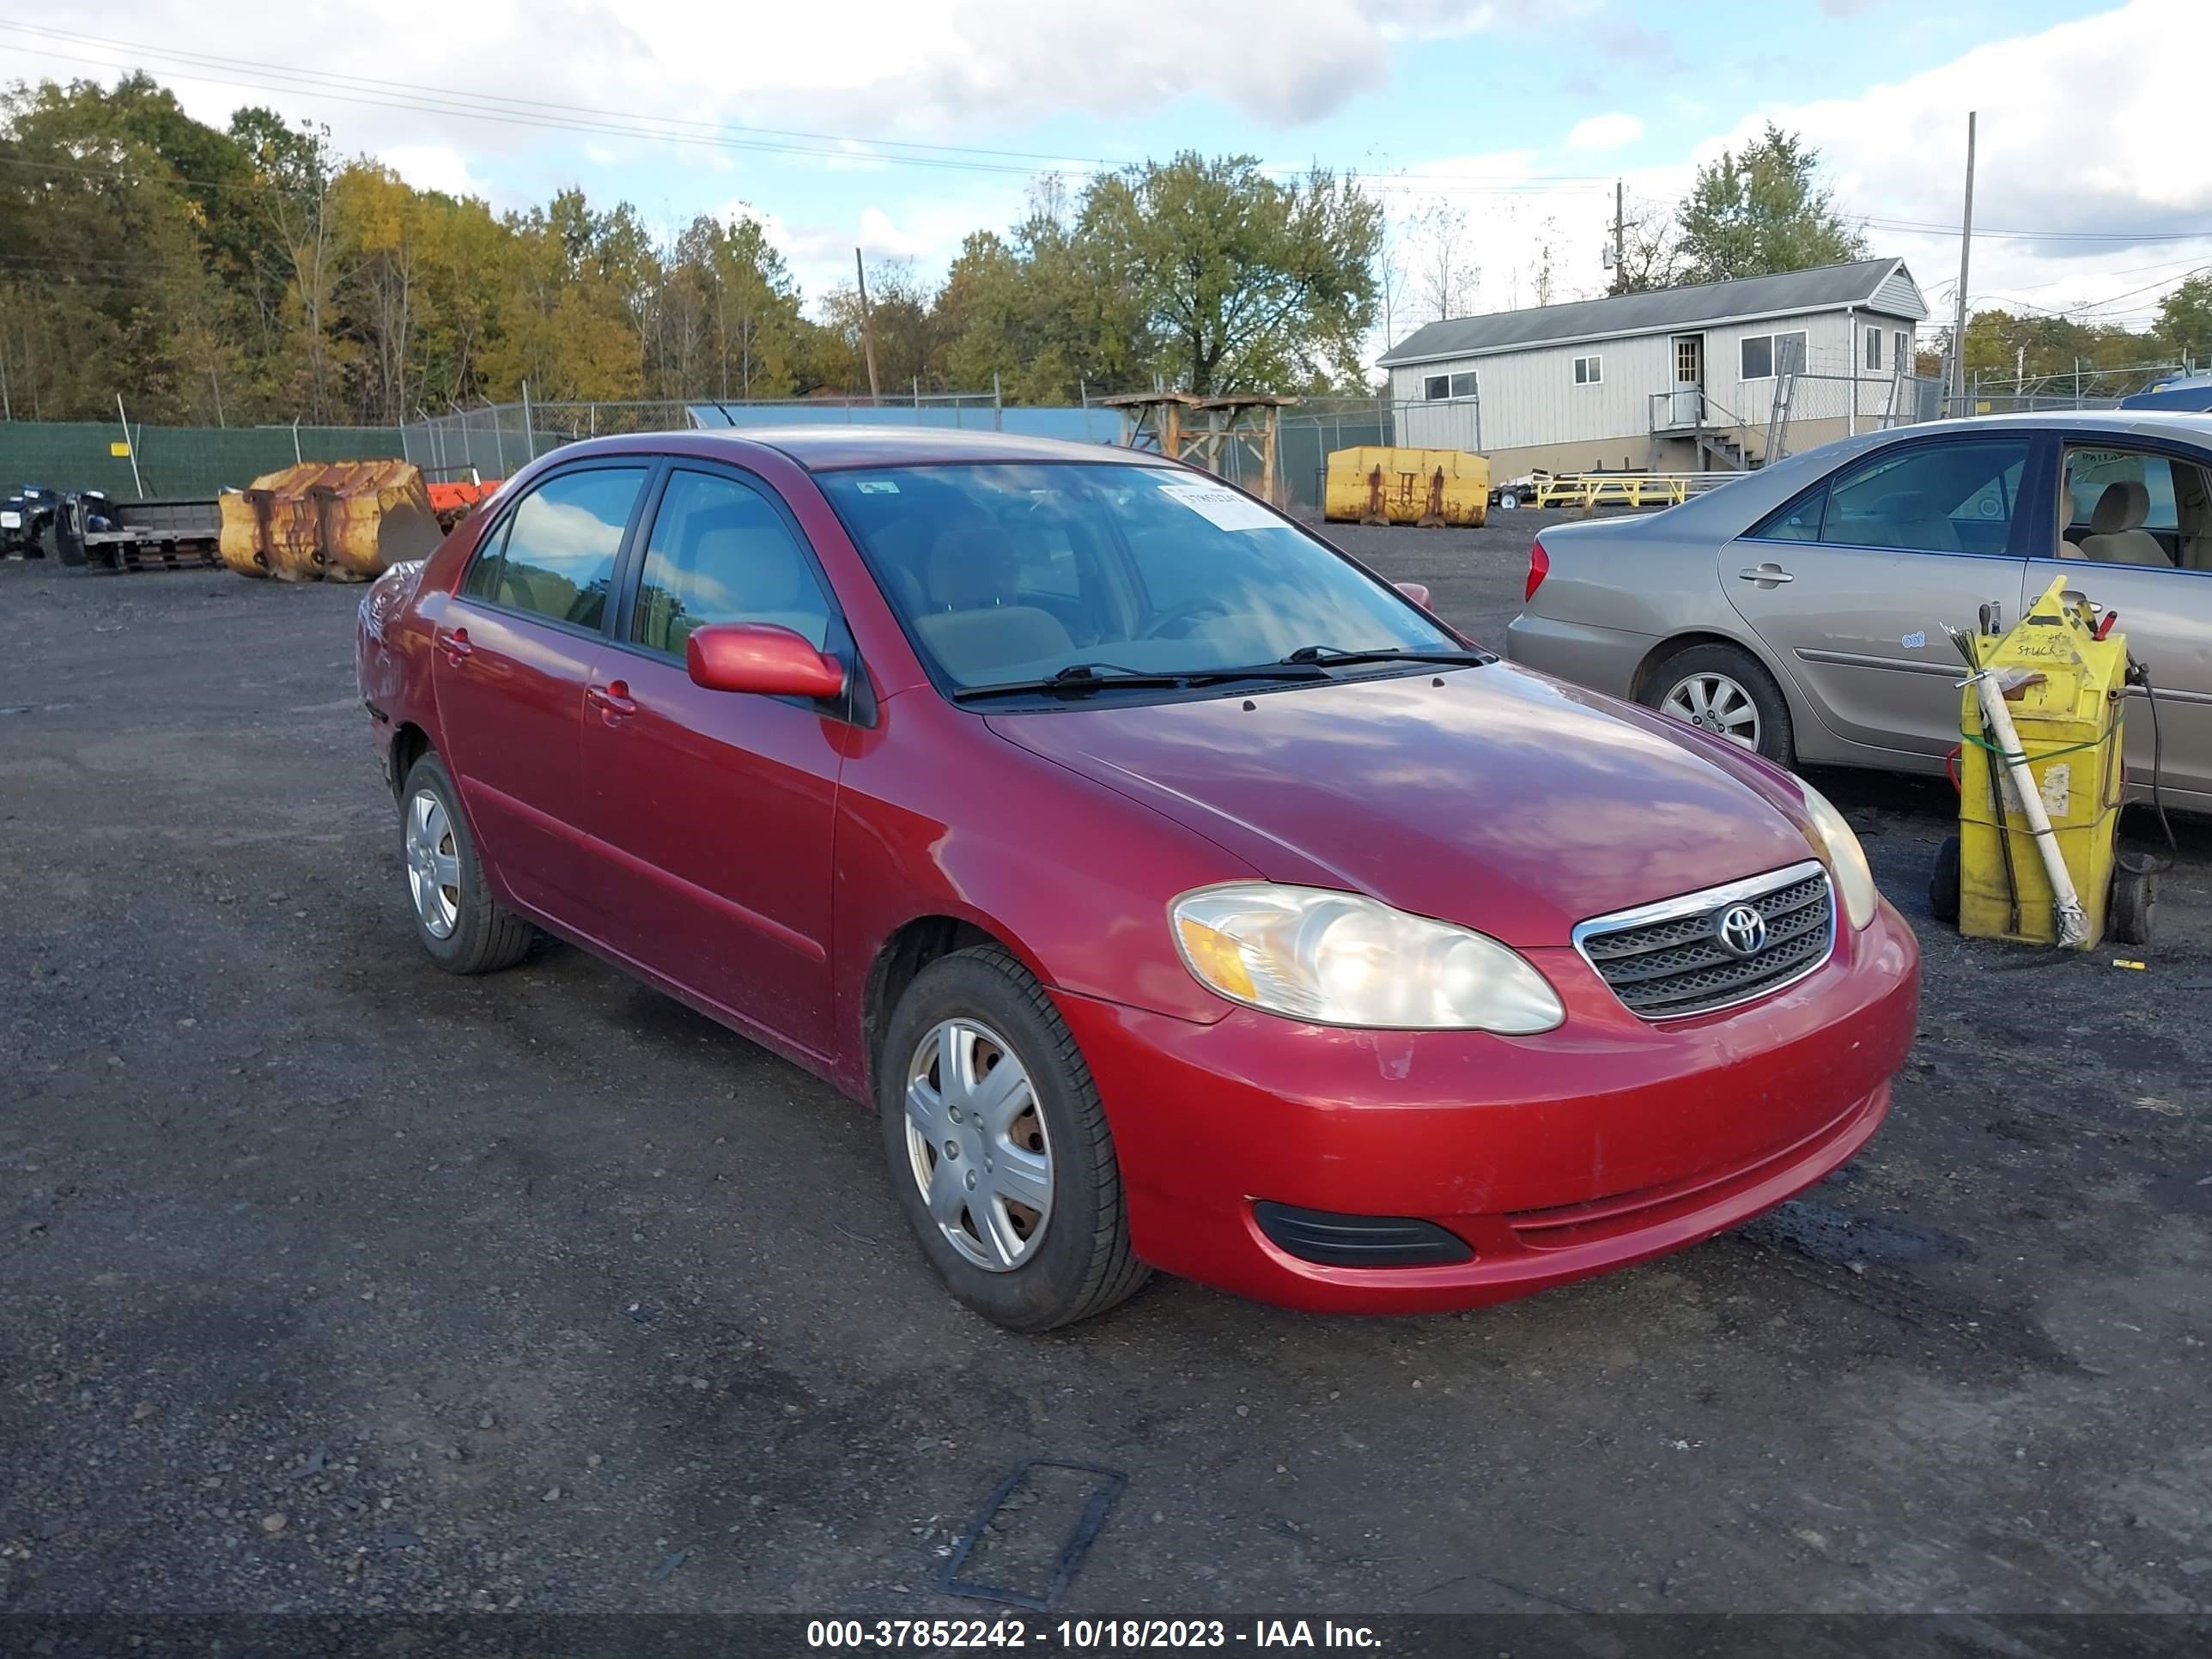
(1741, 930)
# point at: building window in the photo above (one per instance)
(1438, 388)
(1874, 348)
(1590, 371)
(1903, 341)
(1766, 356)
(1463, 385)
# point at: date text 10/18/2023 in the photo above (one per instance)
(1082, 1635)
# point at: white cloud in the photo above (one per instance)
(433, 167)
(926, 68)
(1609, 132)
(2068, 140)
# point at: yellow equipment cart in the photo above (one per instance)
(2063, 689)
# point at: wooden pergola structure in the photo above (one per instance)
(1209, 432)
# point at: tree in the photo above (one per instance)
(2185, 318)
(1445, 275)
(1762, 210)
(1651, 257)
(1249, 283)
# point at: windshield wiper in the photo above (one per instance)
(1083, 677)
(1333, 656)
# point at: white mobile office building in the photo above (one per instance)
(1681, 378)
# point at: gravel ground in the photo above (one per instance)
(329, 1283)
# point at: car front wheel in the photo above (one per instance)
(1724, 691)
(464, 929)
(999, 1147)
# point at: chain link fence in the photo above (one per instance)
(172, 461)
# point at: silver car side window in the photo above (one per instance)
(1929, 498)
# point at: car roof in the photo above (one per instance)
(825, 448)
(2195, 426)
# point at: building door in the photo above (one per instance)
(1689, 380)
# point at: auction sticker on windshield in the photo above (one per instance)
(1222, 507)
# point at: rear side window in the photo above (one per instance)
(1798, 523)
(719, 552)
(1934, 498)
(558, 558)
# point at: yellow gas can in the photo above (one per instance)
(2064, 690)
(1376, 484)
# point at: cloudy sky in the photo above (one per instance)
(901, 125)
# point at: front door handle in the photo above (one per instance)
(612, 700)
(456, 647)
(1766, 575)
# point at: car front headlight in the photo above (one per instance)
(1846, 860)
(1342, 959)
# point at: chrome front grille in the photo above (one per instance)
(1702, 951)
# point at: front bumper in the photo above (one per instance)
(1605, 1142)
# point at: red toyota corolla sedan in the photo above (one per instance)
(1180, 894)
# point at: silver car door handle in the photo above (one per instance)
(1765, 573)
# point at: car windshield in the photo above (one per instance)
(1018, 573)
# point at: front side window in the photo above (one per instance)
(558, 558)
(1588, 371)
(1165, 572)
(1437, 388)
(2135, 506)
(719, 552)
(1931, 498)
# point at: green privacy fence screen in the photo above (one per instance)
(173, 460)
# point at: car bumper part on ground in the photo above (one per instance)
(1602, 658)
(1606, 1142)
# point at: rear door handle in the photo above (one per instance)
(612, 700)
(456, 647)
(1770, 575)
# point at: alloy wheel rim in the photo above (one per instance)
(1716, 704)
(434, 865)
(976, 1143)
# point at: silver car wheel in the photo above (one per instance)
(1719, 704)
(433, 865)
(976, 1141)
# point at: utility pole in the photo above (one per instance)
(867, 331)
(1619, 242)
(1966, 251)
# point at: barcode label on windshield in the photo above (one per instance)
(1222, 507)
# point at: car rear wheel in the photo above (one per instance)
(464, 928)
(1726, 691)
(999, 1147)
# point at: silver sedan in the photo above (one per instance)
(1800, 609)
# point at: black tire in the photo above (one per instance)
(68, 550)
(1083, 1264)
(1943, 885)
(2134, 892)
(1775, 740)
(486, 936)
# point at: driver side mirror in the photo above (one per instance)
(760, 657)
(1417, 592)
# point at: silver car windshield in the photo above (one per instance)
(1019, 572)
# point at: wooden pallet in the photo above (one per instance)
(165, 553)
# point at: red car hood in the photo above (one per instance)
(1490, 797)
